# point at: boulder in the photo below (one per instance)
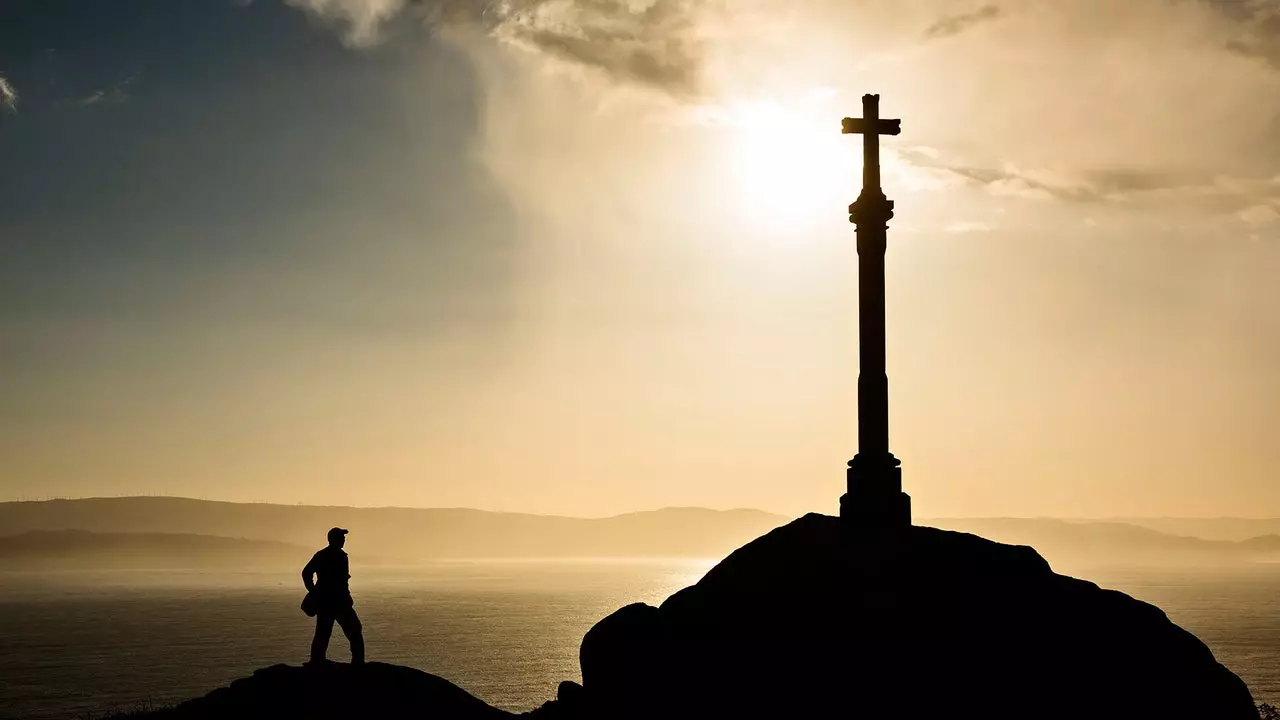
(817, 619)
(625, 659)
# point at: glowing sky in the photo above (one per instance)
(589, 257)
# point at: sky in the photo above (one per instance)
(592, 256)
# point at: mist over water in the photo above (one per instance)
(508, 632)
(80, 643)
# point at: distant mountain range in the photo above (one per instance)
(1224, 528)
(158, 530)
(78, 549)
(407, 534)
(1087, 543)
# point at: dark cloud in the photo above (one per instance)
(1217, 193)
(951, 25)
(655, 46)
(1261, 40)
(623, 58)
(1090, 187)
(1258, 28)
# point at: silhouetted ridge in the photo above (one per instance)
(813, 620)
(334, 692)
(817, 620)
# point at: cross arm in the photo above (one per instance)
(859, 126)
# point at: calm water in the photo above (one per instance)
(79, 644)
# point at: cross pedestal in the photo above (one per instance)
(874, 499)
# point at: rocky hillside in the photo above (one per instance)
(815, 620)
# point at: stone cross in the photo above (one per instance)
(874, 499)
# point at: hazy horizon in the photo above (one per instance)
(1102, 518)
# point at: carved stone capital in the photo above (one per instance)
(871, 208)
(875, 463)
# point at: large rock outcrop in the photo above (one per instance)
(815, 620)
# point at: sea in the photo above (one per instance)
(82, 644)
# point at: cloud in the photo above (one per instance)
(1254, 199)
(694, 48)
(8, 95)
(360, 20)
(950, 25)
(111, 95)
(1077, 101)
(1012, 181)
(1264, 214)
(654, 44)
(1257, 29)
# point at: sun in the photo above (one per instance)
(792, 162)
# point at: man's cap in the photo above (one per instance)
(337, 532)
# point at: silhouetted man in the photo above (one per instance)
(331, 598)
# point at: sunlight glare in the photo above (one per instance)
(795, 167)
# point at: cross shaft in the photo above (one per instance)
(874, 498)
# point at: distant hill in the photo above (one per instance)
(1087, 543)
(78, 549)
(407, 534)
(1224, 528)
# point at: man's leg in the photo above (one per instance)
(350, 624)
(320, 643)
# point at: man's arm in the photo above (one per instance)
(307, 572)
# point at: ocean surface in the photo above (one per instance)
(82, 644)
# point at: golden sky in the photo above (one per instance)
(586, 258)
